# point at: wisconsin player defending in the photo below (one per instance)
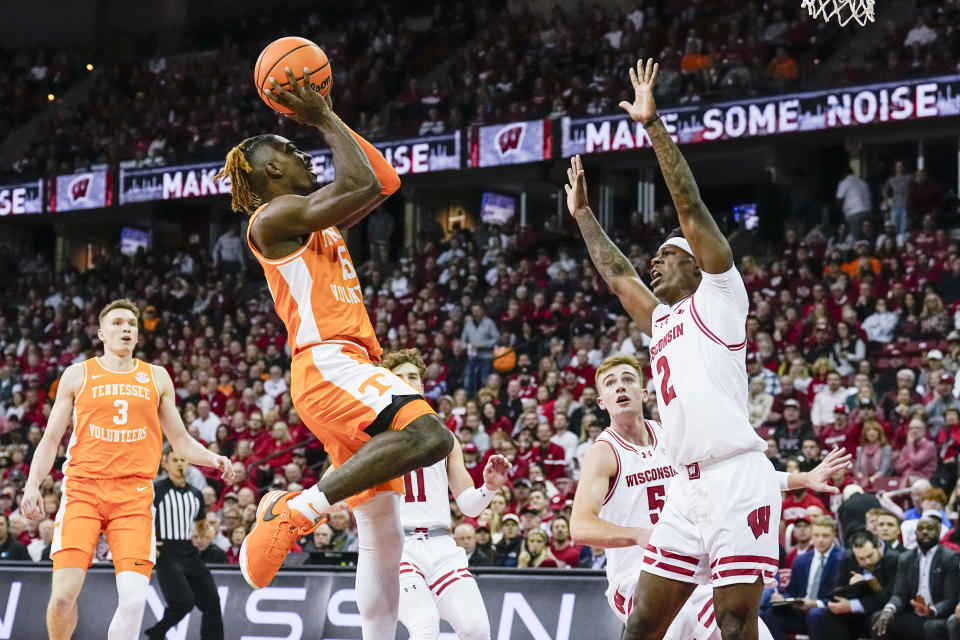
(721, 523)
(372, 424)
(624, 479)
(435, 582)
(118, 405)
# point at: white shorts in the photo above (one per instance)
(720, 525)
(694, 621)
(438, 561)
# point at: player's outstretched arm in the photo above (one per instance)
(181, 441)
(818, 478)
(363, 177)
(472, 500)
(710, 247)
(61, 415)
(614, 267)
(586, 525)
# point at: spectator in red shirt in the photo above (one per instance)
(924, 197)
(236, 539)
(548, 454)
(841, 433)
(795, 505)
(563, 548)
(471, 460)
(802, 539)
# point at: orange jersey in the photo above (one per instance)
(317, 293)
(116, 424)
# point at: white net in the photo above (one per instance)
(843, 10)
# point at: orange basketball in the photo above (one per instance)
(504, 359)
(296, 53)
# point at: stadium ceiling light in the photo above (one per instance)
(89, 66)
(51, 97)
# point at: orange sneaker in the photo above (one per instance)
(275, 530)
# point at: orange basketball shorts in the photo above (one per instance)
(121, 508)
(345, 399)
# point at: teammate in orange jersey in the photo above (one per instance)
(118, 406)
(374, 426)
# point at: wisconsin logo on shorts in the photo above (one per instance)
(142, 377)
(759, 521)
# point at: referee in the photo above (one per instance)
(184, 579)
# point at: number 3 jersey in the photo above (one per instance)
(116, 425)
(636, 495)
(698, 359)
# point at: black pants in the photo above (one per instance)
(846, 626)
(186, 582)
(909, 626)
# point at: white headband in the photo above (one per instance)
(678, 242)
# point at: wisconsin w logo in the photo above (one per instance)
(759, 521)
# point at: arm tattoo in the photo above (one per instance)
(677, 174)
(610, 261)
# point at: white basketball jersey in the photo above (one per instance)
(698, 358)
(636, 495)
(425, 501)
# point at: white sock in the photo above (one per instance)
(132, 592)
(380, 539)
(311, 503)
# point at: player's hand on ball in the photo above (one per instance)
(818, 479)
(642, 78)
(225, 467)
(32, 503)
(495, 472)
(308, 106)
(577, 202)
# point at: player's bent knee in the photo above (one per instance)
(644, 625)
(732, 626)
(478, 631)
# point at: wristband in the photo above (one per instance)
(649, 122)
(474, 500)
(784, 479)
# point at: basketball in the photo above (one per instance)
(298, 54)
(504, 359)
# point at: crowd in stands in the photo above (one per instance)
(437, 67)
(853, 339)
(28, 77)
(929, 44)
(162, 109)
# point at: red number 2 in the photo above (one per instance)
(655, 499)
(666, 391)
(408, 495)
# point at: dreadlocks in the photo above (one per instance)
(238, 169)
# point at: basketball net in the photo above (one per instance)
(843, 10)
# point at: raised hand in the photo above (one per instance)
(577, 188)
(308, 106)
(818, 479)
(642, 78)
(495, 472)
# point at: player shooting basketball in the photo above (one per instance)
(374, 426)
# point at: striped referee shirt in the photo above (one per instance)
(178, 508)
